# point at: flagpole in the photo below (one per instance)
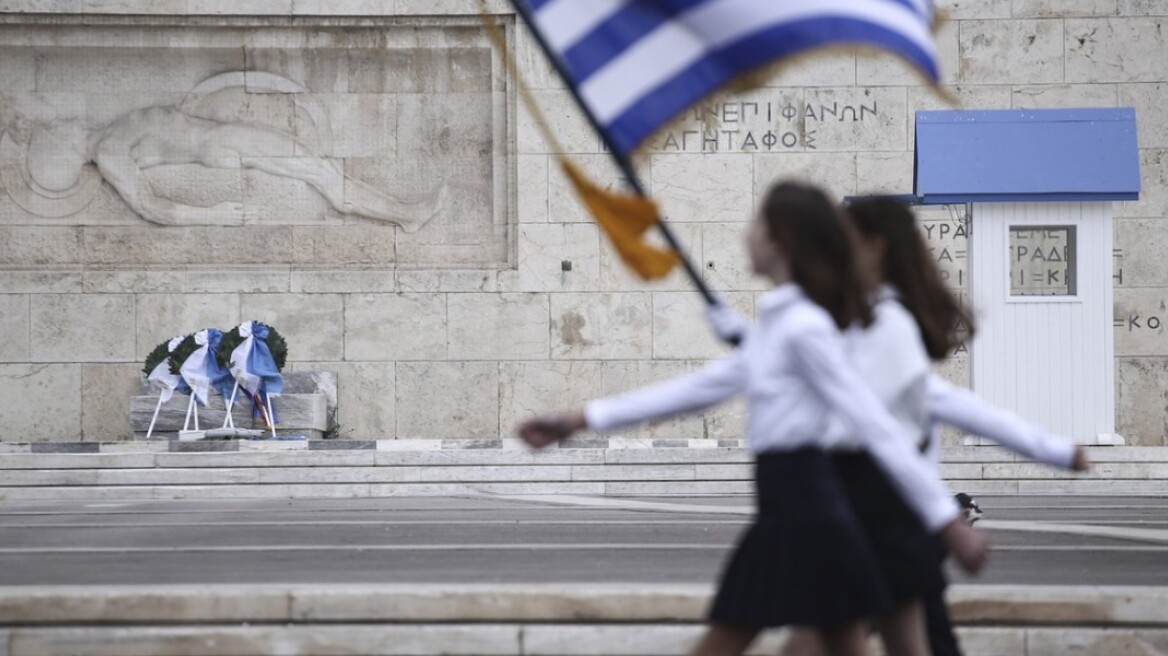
(622, 161)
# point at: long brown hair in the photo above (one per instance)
(820, 247)
(908, 267)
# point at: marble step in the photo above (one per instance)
(505, 619)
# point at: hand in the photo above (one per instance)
(545, 430)
(1080, 463)
(970, 547)
(728, 324)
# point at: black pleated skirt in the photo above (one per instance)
(805, 560)
(908, 555)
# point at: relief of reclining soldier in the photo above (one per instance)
(52, 165)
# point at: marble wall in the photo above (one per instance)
(360, 175)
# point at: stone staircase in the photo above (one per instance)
(613, 467)
(515, 620)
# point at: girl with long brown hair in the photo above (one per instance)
(804, 560)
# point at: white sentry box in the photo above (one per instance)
(1038, 188)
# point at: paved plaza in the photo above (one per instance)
(1045, 540)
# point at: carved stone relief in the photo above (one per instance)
(326, 141)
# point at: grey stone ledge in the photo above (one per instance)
(1112, 606)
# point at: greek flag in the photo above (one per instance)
(634, 64)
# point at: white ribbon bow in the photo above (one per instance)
(194, 370)
(161, 377)
(241, 360)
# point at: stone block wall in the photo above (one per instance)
(377, 193)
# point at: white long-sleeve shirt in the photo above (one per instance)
(961, 408)
(889, 356)
(919, 400)
(793, 371)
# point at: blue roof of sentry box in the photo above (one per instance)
(966, 156)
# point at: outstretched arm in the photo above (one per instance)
(961, 408)
(716, 382)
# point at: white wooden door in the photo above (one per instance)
(1040, 288)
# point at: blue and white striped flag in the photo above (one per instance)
(637, 63)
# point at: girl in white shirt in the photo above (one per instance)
(804, 561)
(912, 304)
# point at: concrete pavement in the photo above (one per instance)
(531, 575)
(484, 539)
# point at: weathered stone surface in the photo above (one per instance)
(1141, 383)
(28, 607)
(242, 641)
(72, 328)
(727, 421)
(426, 281)
(41, 282)
(1063, 8)
(1012, 52)
(395, 327)
(193, 245)
(601, 326)
(312, 281)
(447, 400)
(623, 375)
(163, 316)
(565, 120)
(530, 388)
(39, 246)
(559, 258)
(104, 390)
(1142, 8)
(343, 246)
(1041, 96)
(1113, 642)
(1153, 200)
(965, 9)
(877, 68)
(1139, 245)
(884, 173)
(498, 327)
(14, 326)
(724, 263)
(533, 174)
(710, 188)
(50, 401)
(1151, 104)
(835, 171)
(680, 329)
(366, 400)
(143, 281)
(312, 324)
(1098, 50)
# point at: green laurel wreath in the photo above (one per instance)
(181, 352)
(231, 339)
(160, 353)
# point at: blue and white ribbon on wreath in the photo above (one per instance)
(166, 382)
(202, 371)
(254, 367)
